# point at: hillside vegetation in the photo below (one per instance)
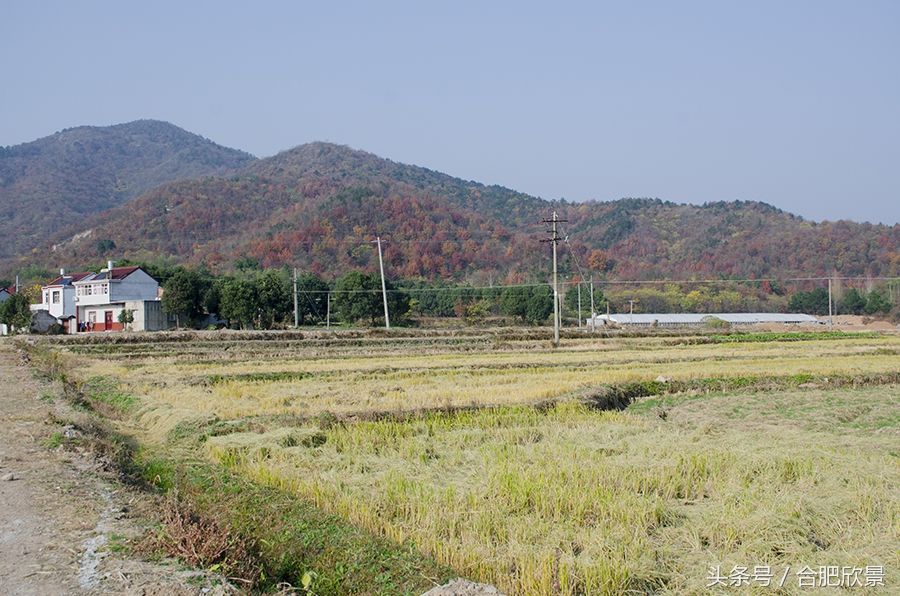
(319, 206)
(62, 179)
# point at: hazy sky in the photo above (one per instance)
(793, 103)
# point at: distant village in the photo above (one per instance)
(113, 299)
(129, 299)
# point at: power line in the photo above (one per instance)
(623, 282)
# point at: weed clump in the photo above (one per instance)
(201, 541)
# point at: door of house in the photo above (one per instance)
(107, 320)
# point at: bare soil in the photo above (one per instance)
(463, 587)
(65, 523)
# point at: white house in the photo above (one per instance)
(5, 293)
(101, 297)
(58, 297)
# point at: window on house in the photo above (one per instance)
(56, 297)
(105, 288)
(87, 290)
(46, 301)
(92, 316)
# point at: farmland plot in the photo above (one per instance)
(496, 462)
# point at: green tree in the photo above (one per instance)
(238, 303)
(853, 302)
(312, 296)
(476, 312)
(814, 302)
(876, 303)
(274, 300)
(183, 296)
(540, 305)
(15, 312)
(105, 245)
(531, 305)
(246, 264)
(514, 302)
(211, 296)
(398, 303)
(356, 297)
(126, 317)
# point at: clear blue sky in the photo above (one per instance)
(794, 103)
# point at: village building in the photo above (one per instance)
(695, 320)
(5, 293)
(58, 301)
(100, 299)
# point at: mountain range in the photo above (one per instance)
(55, 182)
(148, 190)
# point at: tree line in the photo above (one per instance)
(259, 298)
(252, 297)
(853, 302)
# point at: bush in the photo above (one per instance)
(877, 304)
(716, 323)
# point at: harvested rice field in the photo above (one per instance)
(611, 465)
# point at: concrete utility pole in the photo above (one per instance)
(387, 318)
(554, 240)
(593, 312)
(631, 312)
(328, 310)
(579, 305)
(296, 306)
(830, 319)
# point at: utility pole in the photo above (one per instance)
(17, 284)
(593, 312)
(296, 306)
(579, 305)
(830, 319)
(387, 318)
(631, 312)
(554, 240)
(328, 310)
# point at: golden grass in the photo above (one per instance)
(569, 500)
(603, 502)
(411, 382)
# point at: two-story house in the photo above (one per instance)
(101, 297)
(58, 297)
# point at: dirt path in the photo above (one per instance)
(62, 520)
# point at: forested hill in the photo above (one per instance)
(319, 206)
(63, 178)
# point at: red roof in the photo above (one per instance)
(121, 272)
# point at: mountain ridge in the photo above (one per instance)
(78, 171)
(318, 206)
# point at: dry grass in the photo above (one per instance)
(175, 392)
(201, 542)
(606, 502)
(543, 501)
